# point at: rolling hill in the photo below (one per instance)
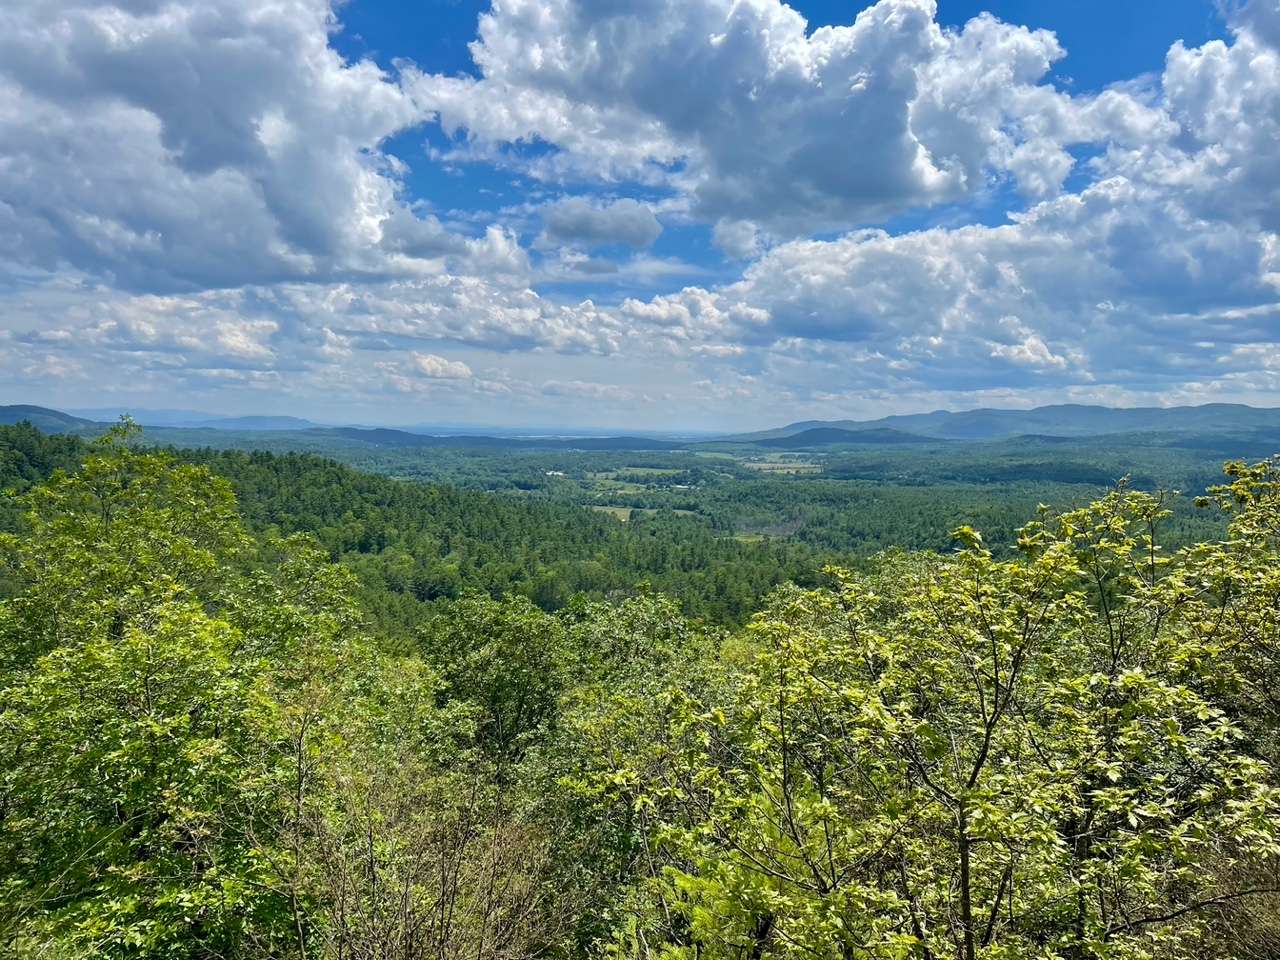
(1210, 425)
(385, 437)
(834, 436)
(194, 419)
(256, 423)
(1064, 420)
(50, 421)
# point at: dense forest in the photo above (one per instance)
(267, 705)
(412, 544)
(853, 501)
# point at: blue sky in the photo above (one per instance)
(1106, 41)
(669, 214)
(435, 34)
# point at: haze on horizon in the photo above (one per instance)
(658, 214)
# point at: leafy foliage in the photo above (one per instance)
(1042, 757)
(228, 730)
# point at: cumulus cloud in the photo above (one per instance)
(587, 390)
(189, 145)
(1108, 285)
(756, 118)
(315, 335)
(225, 330)
(737, 238)
(438, 368)
(200, 194)
(1160, 274)
(578, 221)
(458, 309)
(1260, 18)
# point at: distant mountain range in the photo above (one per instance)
(384, 437)
(1061, 420)
(256, 423)
(150, 418)
(837, 436)
(1041, 424)
(194, 419)
(55, 421)
(50, 421)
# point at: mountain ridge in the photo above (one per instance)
(44, 418)
(1066, 420)
(389, 437)
(832, 436)
(193, 419)
(1061, 421)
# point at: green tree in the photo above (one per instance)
(508, 658)
(177, 704)
(100, 547)
(130, 779)
(969, 758)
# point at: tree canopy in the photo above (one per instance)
(213, 744)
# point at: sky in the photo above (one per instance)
(659, 214)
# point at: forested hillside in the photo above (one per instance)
(412, 544)
(709, 533)
(409, 542)
(1063, 419)
(227, 731)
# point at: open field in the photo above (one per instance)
(784, 467)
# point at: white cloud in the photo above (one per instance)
(306, 330)
(587, 390)
(1030, 351)
(737, 238)
(198, 332)
(438, 368)
(981, 306)
(189, 145)
(1119, 285)
(1261, 18)
(457, 309)
(197, 196)
(757, 119)
(576, 220)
